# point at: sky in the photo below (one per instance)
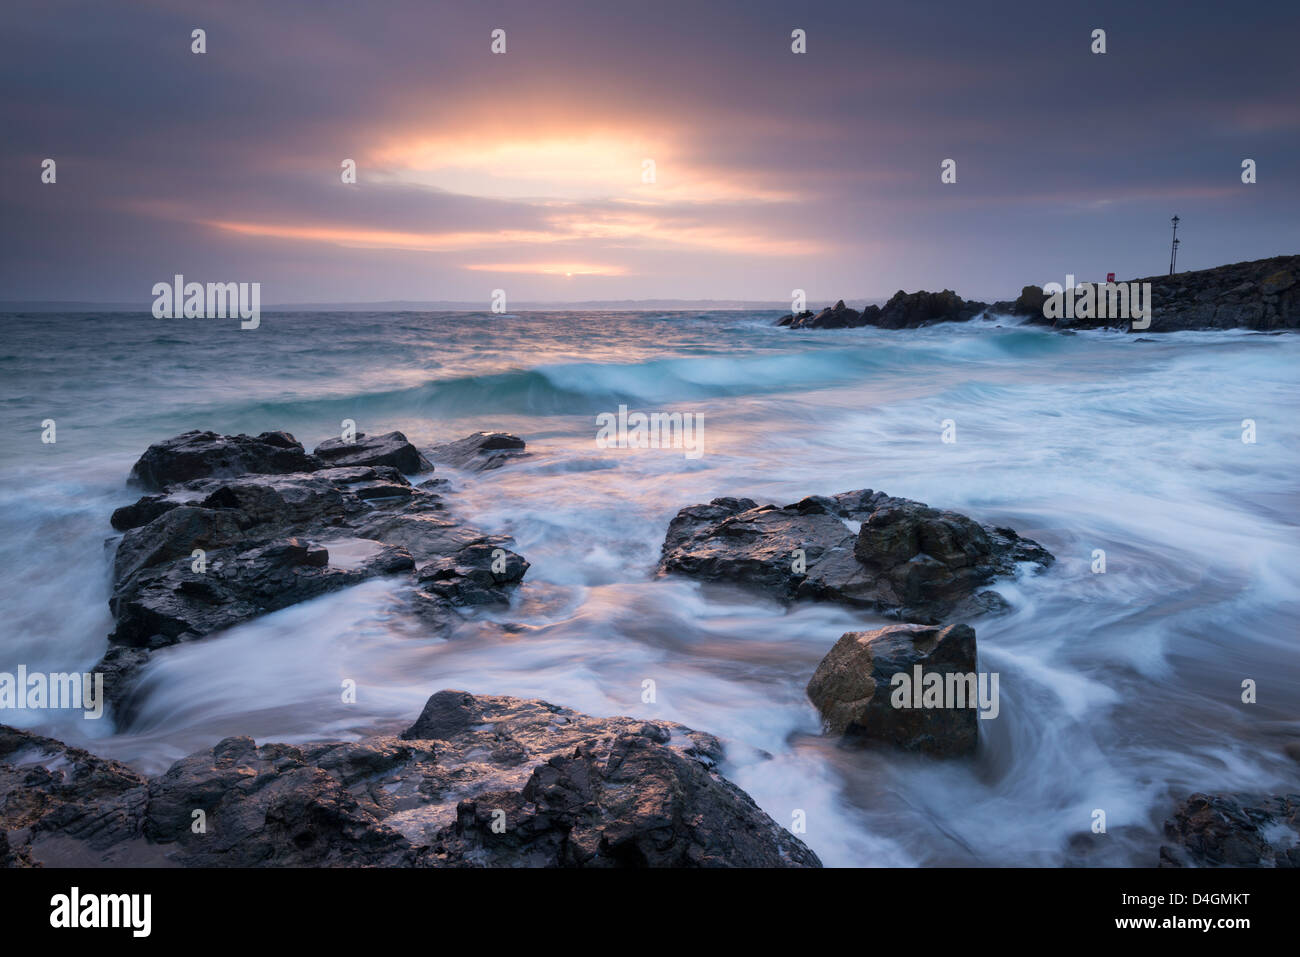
(525, 170)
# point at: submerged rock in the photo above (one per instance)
(862, 548)
(480, 451)
(1233, 830)
(477, 781)
(854, 688)
(391, 449)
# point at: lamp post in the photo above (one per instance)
(1173, 250)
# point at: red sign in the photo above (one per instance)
(1110, 277)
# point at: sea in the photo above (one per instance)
(1172, 666)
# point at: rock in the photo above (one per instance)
(167, 604)
(570, 789)
(1263, 295)
(1030, 302)
(480, 451)
(1233, 830)
(838, 316)
(853, 689)
(902, 311)
(222, 550)
(193, 455)
(60, 805)
(862, 548)
(910, 310)
(475, 575)
(1278, 282)
(144, 511)
(391, 449)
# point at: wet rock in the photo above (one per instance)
(166, 604)
(477, 574)
(61, 806)
(862, 548)
(221, 550)
(477, 781)
(854, 690)
(480, 451)
(196, 454)
(1233, 830)
(142, 512)
(391, 449)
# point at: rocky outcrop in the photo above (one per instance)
(390, 449)
(195, 454)
(1263, 295)
(862, 548)
(1233, 830)
(1028, 305)
(477, 781)
(838, 316)
(215, 551)
(480, 451)
(860, 697)
(912, 310)
(903, 311)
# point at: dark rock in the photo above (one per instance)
(61, 806)
(194, 455)
(910, 310)
(838, 316)
(1029, 304)
(170, 603)
(391, 449)
(271, 806)
(853, 690)
(480, 451)
(476, 781)
(144, 511)
(1233, 830)
(902, 311)
(266, 542)
(446, 715)
(903, 558)
(475, 575)
(1262, 295)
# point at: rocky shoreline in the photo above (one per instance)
(234, 527)
(476, 781)
(1262, 295)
